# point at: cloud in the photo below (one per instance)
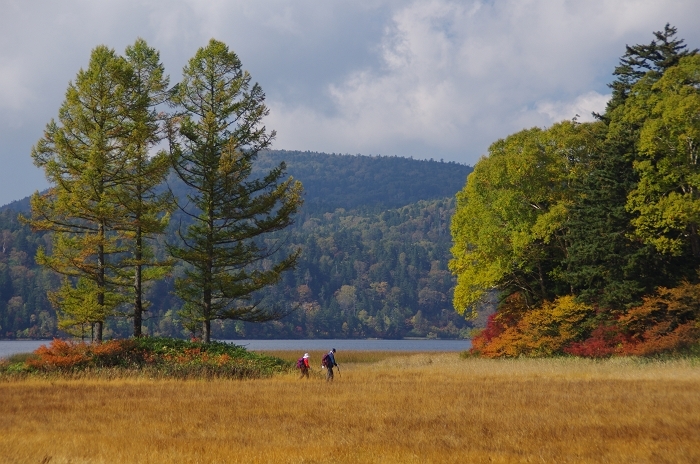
(14, 92)
(455, 76)
(422, 78)
(580, 108)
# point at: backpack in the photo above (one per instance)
(326, 360)
(300, 363)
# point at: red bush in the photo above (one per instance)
(488, 342)
(605, 340)
(62, 354)
(493, 329)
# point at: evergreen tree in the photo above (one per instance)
(219, 136)
(140, 191)
(82, 155)
(603, 263)
(662, 53)
(603, 266)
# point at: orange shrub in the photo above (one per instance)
(60, 354)
(517, 330)
(494, 340)
(66, 354)
(668, 321)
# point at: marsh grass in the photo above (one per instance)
(19, 358)
(405, 408)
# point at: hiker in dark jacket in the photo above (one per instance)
(329, 363)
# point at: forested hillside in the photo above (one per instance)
(376, 182)
(374, 234)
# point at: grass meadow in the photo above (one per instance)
(383, 407)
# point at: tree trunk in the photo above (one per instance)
(694, 240)
(540, 276)
(101, 286)
(206, 331)
(138, 300)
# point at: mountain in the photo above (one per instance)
(374, 182)
(374, 234)
(17, 205)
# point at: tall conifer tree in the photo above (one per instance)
(220, 135)
(604, 264)
(81, 155)
(664, 52)
(145, 206)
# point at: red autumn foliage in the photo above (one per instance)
(666, 322)
(605, 340)
(493, 329)
(488, 342)
(64, 354)
(59, 354)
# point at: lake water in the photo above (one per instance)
(362, 345)
(10, 347)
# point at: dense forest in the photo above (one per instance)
(364, 182)
(374, 235)
(590, 231)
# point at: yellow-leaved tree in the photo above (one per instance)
(667, 197)
(507, 227)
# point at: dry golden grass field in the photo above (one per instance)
(383, 408)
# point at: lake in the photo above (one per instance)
(10, 347)
(361, 345)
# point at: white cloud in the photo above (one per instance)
(580, 108)
(423, 78)
(455, 76)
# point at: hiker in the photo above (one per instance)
(303, 365)
(328, 362)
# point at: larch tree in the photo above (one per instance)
(146, 205)
(215, 144)
(82, 156)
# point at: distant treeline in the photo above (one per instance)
(374, 234)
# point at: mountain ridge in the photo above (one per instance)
(327, 190)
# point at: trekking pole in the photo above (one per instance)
(338, 370)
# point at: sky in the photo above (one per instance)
(438, 79)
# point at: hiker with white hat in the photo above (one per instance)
(303, 365)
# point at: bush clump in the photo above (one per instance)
(151, 357)
(667, 323)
